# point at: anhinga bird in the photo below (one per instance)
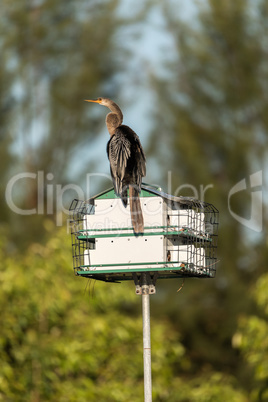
(127, 161)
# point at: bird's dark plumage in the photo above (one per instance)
(127, 161)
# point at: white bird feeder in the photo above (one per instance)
(179, 240)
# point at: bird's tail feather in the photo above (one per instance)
(135, 210)
(123, 196)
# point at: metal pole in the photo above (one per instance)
(146, 340)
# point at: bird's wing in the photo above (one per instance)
(118, 150)
(140, 158)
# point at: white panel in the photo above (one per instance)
(87, 257)
(112, 214)
(181, 218)
(127, 250)
(188, 218)
(188, 254)
(108, 214)
(152, 208)
(182, 254)
(200, 222)
(200, 257)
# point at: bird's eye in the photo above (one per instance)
(100, 99)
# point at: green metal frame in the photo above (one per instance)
(138, 263)
(126, 274)
(181, 233)
(110, 194)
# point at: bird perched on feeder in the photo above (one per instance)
(127, 161)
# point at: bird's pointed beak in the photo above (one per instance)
(93, 100)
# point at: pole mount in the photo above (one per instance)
(145, 283)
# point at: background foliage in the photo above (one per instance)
(66, 339)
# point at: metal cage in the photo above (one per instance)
(179, 240)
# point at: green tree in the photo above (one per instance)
(53, 71)
(60, 341)
(251, 339)
(6, 159)
(55, 55)
(64, 338)
(213, 106)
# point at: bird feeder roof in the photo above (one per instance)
(148, 190)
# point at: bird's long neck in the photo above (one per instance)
(113, 119)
